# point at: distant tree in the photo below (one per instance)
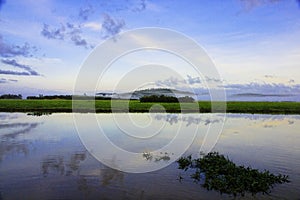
(66, 97)
(166, 99)
(11, 96)
(161, 98)
(69, 97)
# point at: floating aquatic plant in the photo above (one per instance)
(216, 172)
(162, 157)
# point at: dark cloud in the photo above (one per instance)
(3, 80)
(68, 31)
(8, 50)
(54, 33)
(9, 72)
(78, 41)
(85, 12)
(28, 70)
(111, 27)
(73, 29)
(74, 32)
(1, 3)
(71, 26)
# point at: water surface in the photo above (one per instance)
(44, 158)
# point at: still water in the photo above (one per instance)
(57, 156)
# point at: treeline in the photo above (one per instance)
(11, 96)
(68, 97)
(166, 99)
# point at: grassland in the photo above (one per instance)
(136, 106)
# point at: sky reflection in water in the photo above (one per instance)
(42, 157)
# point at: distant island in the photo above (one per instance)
(145, 92)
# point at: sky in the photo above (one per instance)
(254, 45)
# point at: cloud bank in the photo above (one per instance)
(11, 50)
(188, 81)
(28, 70)
(257, 90)
(265, 88)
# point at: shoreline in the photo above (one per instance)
(121, 106)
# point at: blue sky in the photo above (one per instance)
(254, 44)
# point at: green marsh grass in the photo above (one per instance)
(59, 105)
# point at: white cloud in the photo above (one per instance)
(93, 26)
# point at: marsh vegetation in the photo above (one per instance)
(216, 172)
(105, 106)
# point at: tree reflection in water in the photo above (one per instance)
(11, 142)
(87, 181)
(57, 164)
(109, 175)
